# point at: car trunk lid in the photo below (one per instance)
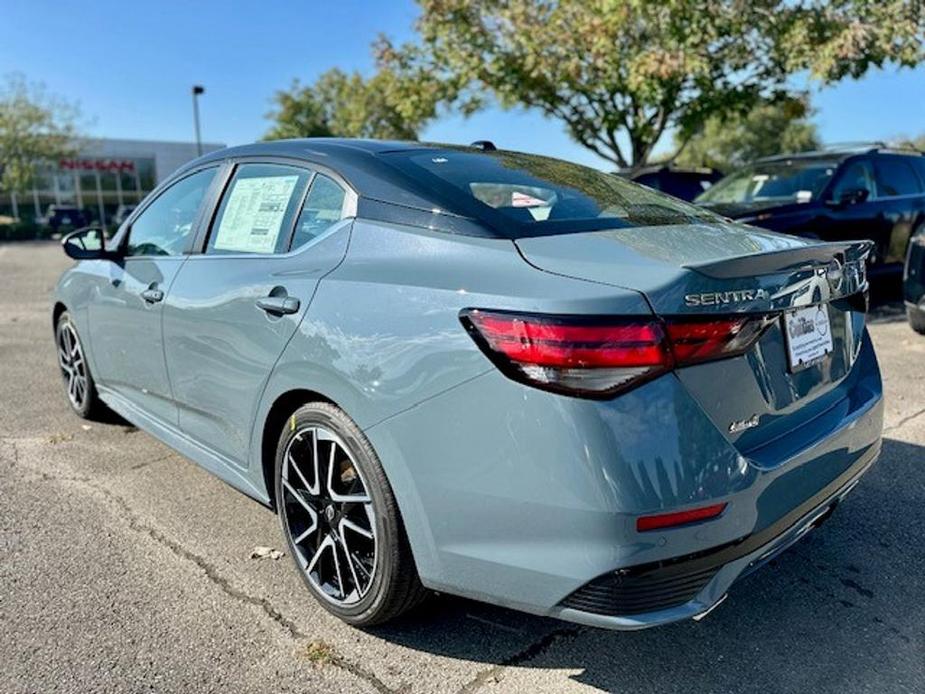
(722, 269)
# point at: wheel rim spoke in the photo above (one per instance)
(71, 361)
(345, 523)
(340, 577)
(335, 495)
(312, 489)
(329, 515)
(302, 502)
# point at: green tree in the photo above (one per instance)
(621, 74)
(347, 105)
(35, 127)
(769, 128)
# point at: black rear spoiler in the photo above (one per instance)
(789, 259)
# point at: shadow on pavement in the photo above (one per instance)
(839, 608)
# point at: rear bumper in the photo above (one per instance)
(703, 579)
(522, 498)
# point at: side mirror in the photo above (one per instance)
(87, 243)
(852, 196)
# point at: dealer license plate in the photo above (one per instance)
(809, 336)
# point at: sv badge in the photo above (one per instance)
(743, 424)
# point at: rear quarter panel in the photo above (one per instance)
(383, 332)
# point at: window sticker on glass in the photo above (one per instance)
(519, 199)
(254, 214)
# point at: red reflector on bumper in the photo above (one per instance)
(670, 520)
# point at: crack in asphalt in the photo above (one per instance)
(524, 655)
(904, 420)
(481, 679)
(212, 574)
(146, 463)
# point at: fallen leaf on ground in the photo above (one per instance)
(266, 552)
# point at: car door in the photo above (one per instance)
(855, 219)
(901, 203)
(234, 306)
(125, 315)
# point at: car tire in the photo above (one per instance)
(322, 456)
(79, 385)
(916, 318)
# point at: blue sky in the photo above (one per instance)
(130, 66)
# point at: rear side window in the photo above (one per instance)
(918, 164)
(257, 211)
(896, 177)
(538, 194)
(323, 208)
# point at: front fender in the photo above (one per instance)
(75, 291)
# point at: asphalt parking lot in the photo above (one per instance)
(124, 567)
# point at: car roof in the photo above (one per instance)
(346, 150)
(839, 153)
(355, 160)
(386, 189)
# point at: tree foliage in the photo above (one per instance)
(620, 74)
(338, 104)
(769, 128)
(35, 127)
(910, 142)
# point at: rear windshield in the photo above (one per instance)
(537, 195)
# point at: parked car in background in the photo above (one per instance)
(683, 183)
(914, 281)
(64, 217)
(122, 213)
(482, 372)
(838, 194)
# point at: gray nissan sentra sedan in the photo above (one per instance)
(482, 372)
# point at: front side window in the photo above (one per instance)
(164, 227)
(323, 208)
(896, 177)
(258, 209)
(857, 176)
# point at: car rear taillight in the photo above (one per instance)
(696, 340)
(602, 356)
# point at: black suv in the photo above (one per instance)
(914, 281)
(868, 192)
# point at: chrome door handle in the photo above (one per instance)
(152, 295)
(279, 305)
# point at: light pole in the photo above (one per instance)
(197, 90)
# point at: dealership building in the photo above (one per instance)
(102, 177)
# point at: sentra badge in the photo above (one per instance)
(737, 296)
